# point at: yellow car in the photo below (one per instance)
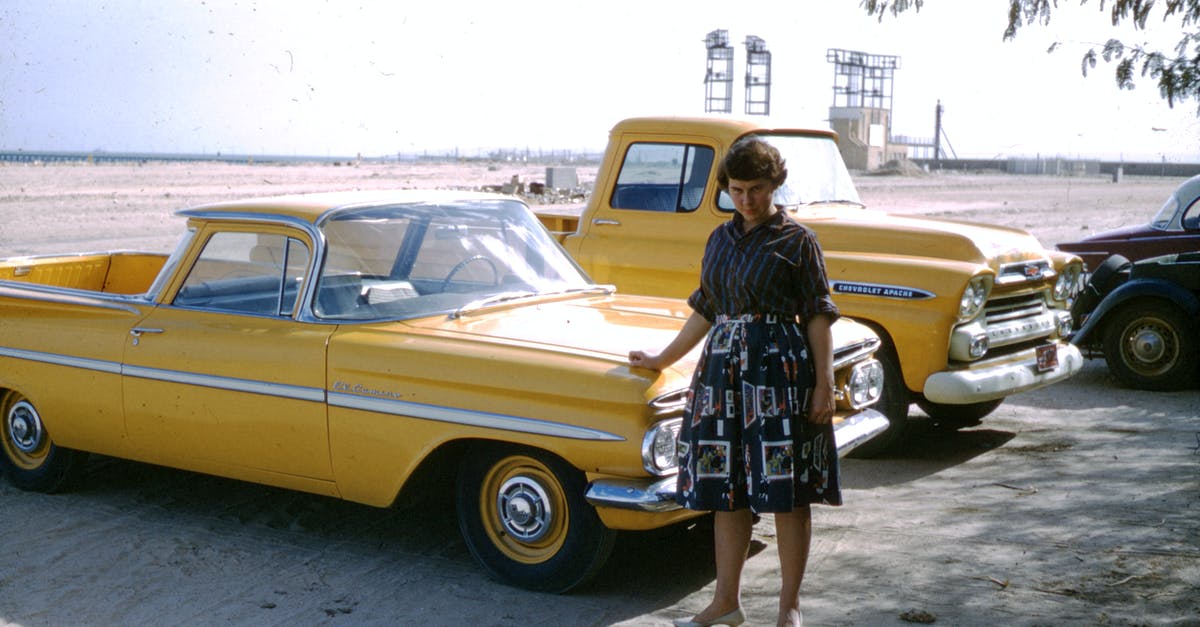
(349, 344)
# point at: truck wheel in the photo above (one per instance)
(524, 517)
(958, 416)
(893, 403)
(1151, 345)
(27, 454)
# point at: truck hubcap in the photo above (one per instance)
(524, 509)
(24, 427)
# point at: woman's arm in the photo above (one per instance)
(692, 332)
(820, 339)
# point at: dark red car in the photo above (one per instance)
(1174, 229)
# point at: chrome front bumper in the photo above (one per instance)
(1006, 376)
(658, 494)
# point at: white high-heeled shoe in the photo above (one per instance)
(732, 619)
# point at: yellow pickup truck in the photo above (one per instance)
(968, 313)
(352, 344)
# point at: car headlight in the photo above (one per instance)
(865, 384)
(1066, 288)
(660, 447)
(974, 296)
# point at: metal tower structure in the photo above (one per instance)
(758, 77)
(718, 80)
(862, 80)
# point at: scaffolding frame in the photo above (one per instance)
(718, 80)
(862, 80)
(758, 77)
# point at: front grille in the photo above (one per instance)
(1002, 310)
(1016, 319)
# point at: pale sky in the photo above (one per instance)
(305, 77)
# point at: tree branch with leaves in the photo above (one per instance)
(1177, 72)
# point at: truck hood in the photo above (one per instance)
(596, 327)
(852, 229)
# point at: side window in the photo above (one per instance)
(251, 273)
(1191, 217)
(663, 177)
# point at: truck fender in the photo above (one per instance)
(1137, 288)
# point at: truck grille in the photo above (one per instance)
(1017, 319)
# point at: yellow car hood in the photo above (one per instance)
(595, 327)
(851, 229)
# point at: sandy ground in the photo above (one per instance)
(1077, 504)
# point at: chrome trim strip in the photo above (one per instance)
(265, 388)
(98, 365)
(318, 395)
(68, 296)
(468, 417)
(854, 353)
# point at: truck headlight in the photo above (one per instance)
(1066, 288)
(660, 447)
(865, 384)
(974, 296)
(1064, 324)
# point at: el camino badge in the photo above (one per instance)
(883, 291)
(362, 390)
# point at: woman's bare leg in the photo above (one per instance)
(793, 534)
(731, 540)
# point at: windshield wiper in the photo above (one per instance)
(503, 297)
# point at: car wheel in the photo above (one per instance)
(1151, 345)
(524, 517)
(28, 456)
(893, 403)
(958, 416)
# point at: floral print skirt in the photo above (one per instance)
(746, 441)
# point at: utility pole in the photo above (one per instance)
(937, 136)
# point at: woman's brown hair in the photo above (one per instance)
(752, 158)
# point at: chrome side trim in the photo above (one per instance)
(264, 388)
(318, 395)
(99, 365)
(468, 417)
(68, 296)
(854, 353)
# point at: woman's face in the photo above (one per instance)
(753, 199)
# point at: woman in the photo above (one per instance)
(757, 431)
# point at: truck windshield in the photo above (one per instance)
(421, 259)
(816, 172)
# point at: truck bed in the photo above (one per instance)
(114, 273)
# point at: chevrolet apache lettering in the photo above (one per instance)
(351, 344)
(968, 313)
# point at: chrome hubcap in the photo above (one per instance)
(1147, 345)
(524, 509)
(24, 427)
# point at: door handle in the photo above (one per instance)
(605, 221)
(138, 332)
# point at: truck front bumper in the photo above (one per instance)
(992, 379)
(658, 494)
